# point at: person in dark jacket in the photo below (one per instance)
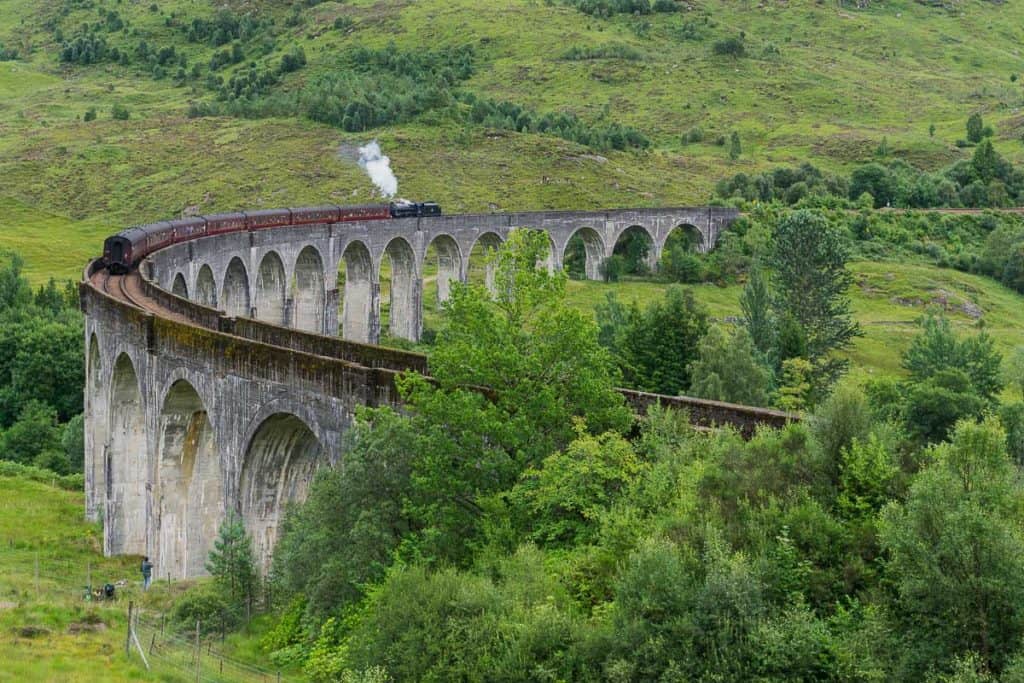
(147, 573)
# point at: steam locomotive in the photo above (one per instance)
(123, 251)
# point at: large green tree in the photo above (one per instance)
(662, 341)
(809, 282)
(955, 553)
(729, 368)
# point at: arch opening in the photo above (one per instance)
(191, 500)
(399, 287)
(480, 270)
(307, 291)
(355, 282)
(441, 266)
(206, 287)
(686, 237)
(270, 290)
(125, 466)
(584, 254)
(279, 463)
(179, 288)
(635, 248)
(96, 430)
(234, 294)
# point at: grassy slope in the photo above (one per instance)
(842, 80)
(37, 518)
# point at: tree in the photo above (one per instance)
(735, 148)
(756, 305)
(937, 349)
(560, 503)
(975, 128)
(342, 538)
(662, 342)
(729, 368)
(33, 433)
(809, 282)
(231, 564)
(956, 556)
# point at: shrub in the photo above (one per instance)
(120, 112)
(731, 47)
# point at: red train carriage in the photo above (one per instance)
(268, 218)
(225, 222)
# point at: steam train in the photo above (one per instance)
(123, 251)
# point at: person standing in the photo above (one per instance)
(147, 572)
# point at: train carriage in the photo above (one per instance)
(328, 213)
(267, 218)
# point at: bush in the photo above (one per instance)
(90, 114)
(204, 604)
(119, 112)
(731, 47)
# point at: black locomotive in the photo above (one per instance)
(125, 249)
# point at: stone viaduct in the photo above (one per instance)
(216, 379)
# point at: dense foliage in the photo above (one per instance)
(41, 373)
(528, 532)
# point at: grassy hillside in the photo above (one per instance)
(820, 83)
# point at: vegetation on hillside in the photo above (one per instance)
(535, 533)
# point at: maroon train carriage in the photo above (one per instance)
(305, 215)
(365, 212)
(220, 223)
(188, 228)
(125, 249)
(267, 218)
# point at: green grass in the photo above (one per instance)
(42, 525)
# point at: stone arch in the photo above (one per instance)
(191, 497)
(479, 267)
(234, 295)
(688, 235)
(307, 291)
(637, 245)
(355, 280)
(449, 264)
(125, 464)
(404, 312)
(180, 287)
(593, 251)
(270, 289)
(206, 287)
(96, 428)
(279, 463)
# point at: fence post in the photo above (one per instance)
(128, 635)
(88, 574)
(198, 653)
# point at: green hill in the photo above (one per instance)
(820, 82)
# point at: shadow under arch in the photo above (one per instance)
(584, 244)
(191, 494)
(399, 283)
(279, 462)
(307, 291)
(180, 287)
(206, 287)
(443, 265)
(355, 282)
(270, 289)
(234, 295)
(125, 464)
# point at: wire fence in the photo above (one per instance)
(150, 637)
(197, 655)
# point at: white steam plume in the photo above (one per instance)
(378, 167)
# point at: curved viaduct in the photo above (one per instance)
(216, 380)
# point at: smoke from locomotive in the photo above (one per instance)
(378, 167)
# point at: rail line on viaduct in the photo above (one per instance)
(217, 381)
